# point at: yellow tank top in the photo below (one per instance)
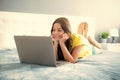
(80, 40)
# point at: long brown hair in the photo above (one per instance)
(64, 22)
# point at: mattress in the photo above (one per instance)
(104, 66)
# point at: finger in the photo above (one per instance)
(66, 36)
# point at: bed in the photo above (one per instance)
(104, 66)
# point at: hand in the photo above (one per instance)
(54, 39)
(64, 38)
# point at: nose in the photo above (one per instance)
(56, 32)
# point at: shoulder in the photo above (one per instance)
(76, 36)
(77, 40)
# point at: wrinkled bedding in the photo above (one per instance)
(105, 66)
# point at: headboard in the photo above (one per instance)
(16, 23)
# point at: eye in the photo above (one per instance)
(60, 30)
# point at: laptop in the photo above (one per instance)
(36, 50)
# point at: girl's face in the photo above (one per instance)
(57, 32)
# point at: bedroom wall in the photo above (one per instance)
(14, 23)
(105, 12)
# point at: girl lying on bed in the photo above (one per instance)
(69, 46)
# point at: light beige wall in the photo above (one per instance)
(106, 12)
(14, 23)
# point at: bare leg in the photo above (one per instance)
(85, 30)
(80, 29)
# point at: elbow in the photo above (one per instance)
(73, 61)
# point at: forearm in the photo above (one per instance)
(66, 53)
(56, 49)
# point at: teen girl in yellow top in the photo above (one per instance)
(68, 46)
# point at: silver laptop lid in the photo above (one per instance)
(35, 50)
